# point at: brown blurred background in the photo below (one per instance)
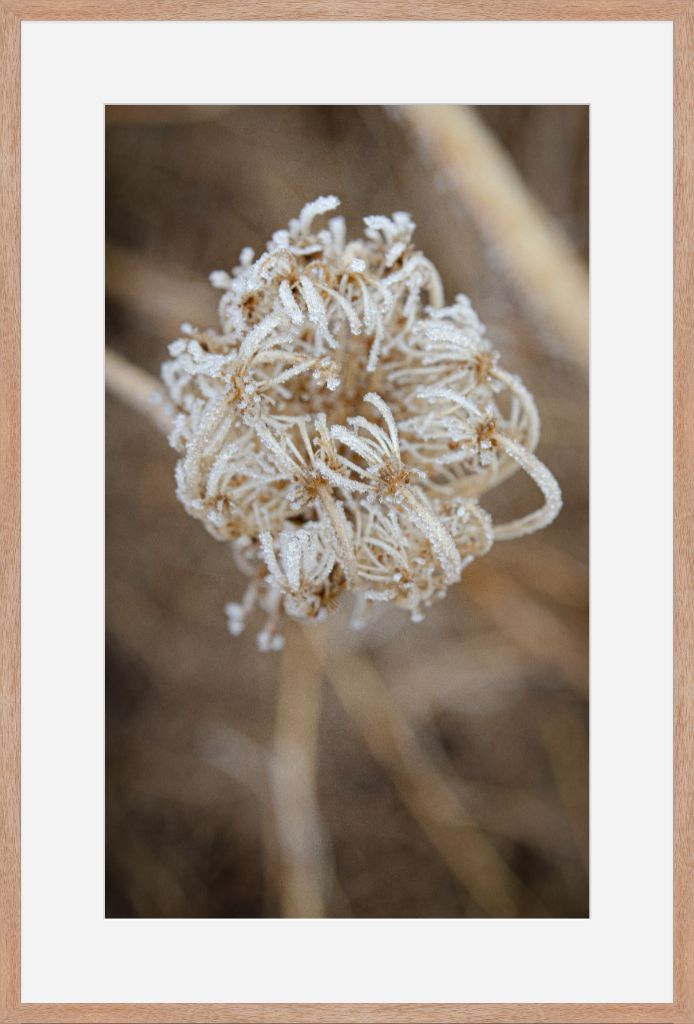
(436, 770)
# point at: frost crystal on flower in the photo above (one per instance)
(341, 426)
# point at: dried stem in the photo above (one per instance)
(304, 870)
(535, 251)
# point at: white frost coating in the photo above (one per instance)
(220, 279)
(341, 427)
(315, 208)
(538, 472)
(289, 303)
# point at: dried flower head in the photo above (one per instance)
(342, 424)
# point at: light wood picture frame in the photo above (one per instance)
(12, 14)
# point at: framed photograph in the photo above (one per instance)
(350, 610)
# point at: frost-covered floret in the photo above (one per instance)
(342, 424)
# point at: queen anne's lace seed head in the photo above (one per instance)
(342, 425)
